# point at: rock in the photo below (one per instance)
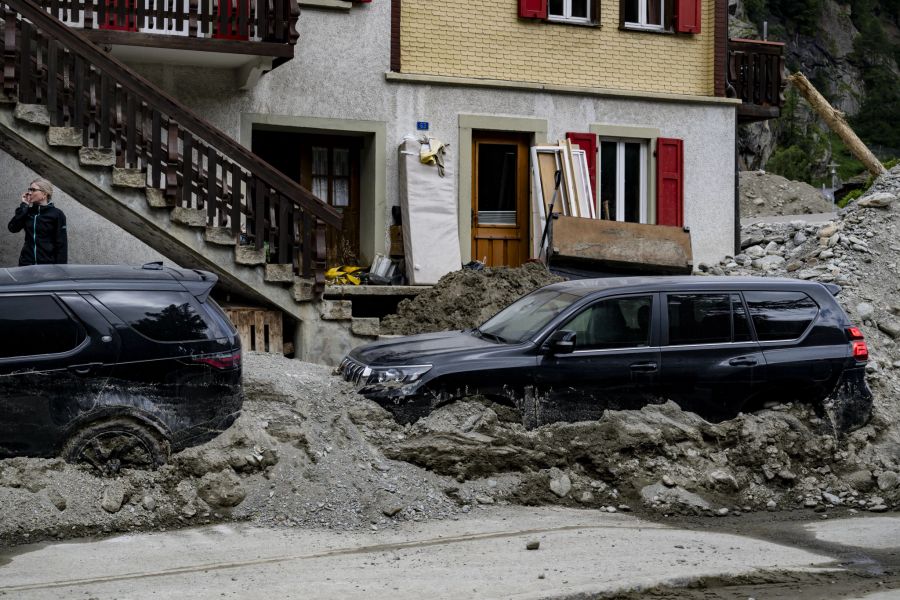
(222, 489)
(827, 231)
(149, 503)
(484, 499)
(877, 200)
(860, 480)
(826, 254)
(878, 508)
(586, 497)
(532, 545)
(668, 481)
(721, 478)
(391, 510)
(887, 481)
(57, 499)
(831, 499)
(755, 252)
(610, 509)
(787, 475)
(113, 497)
(772, 248)
(771, 505)
(799, 238)
(560, 484)
(808, 274)
(865, 311)
(792, 266)
(722, 512)
(810, 503)
(891, 328)
(769, 262)
(673, 496)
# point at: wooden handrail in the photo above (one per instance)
(755, 71)
(163, 103)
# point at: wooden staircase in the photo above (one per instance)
(136, 156)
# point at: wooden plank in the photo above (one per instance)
(237, 195)
(105, 123)
(155, 149)
(285, 227)
(52, 81)
(275, 334)
(187, 168)
(211, 185)
(130, 132)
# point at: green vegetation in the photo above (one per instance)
(850, 198)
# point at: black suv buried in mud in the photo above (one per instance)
(566, 352)
(113, 366)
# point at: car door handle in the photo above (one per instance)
(743, 361)
(84, 369)
(644, 367)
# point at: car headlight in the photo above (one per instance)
(388, 376)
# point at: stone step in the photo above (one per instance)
(157, 199)
(97, 157)
(67, 137)
(36, 114)
(366, 326)
(278, 273)
(249, 255)
(191, 217)
(302, 289)
(221, 236)
(336, 310)
(130, 178)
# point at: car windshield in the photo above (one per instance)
(526, 316)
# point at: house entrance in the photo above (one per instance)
(500, 198)
(329, 167)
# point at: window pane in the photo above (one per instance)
(699, 319)
(632, 182)
(497, 184)
(608, 171)
(556, 8)
(780, 315)
(319, 161)
(341, 191)
(528, 315)
(341, 162)
(160, 316)
(654, 12)
(580, 9)
(631, 11)
(34, 325)
(616, 323)
(741, 322)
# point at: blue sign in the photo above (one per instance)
(422, 125)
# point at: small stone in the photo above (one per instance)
(755, 252)
(831, 499)
(610, 509)
(827, 231)
(391, 510)
(891, 328)
(877, 200)
(113, 497)
(771, 505)
(758, 202)
(722, 512)
(57, 499)
(865, 311)
(668, 481)
(792, 266)
(222, 489)
(149, 503)
(560, 484)
(810, 503)
(887, 481)
(533, 545)
(878, 508)
(484, 499)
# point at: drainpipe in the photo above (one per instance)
(737, 197)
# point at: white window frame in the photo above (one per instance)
(620, 176)
(642, 16)
(567, 17)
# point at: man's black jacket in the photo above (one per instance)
(45, 234)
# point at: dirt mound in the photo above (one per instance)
(465, 299)
(767, 194)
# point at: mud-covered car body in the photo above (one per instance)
(143, 348)
(568, 351)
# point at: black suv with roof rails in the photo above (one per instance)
(714, 345)
(113, 366)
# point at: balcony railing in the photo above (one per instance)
(755, 74)
(208, 25)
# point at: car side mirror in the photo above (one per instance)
(561, 342)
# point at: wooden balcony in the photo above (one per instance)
(755, 76)
(244, 35)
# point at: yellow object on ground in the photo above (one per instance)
(343, 275)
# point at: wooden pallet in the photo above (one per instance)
(260, 329)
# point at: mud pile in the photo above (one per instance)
(767, 194)
(465, 299)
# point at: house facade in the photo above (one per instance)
(639, 84)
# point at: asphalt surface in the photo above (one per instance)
(581, 554)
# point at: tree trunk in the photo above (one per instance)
(835, 120)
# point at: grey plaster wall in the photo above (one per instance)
(92, 239)
(339, 73)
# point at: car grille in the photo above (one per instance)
(354, 371)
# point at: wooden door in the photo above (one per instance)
(500, 198)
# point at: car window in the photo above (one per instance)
(35, 325)
(613, 323)
(528, 315)
(160, 316)
(741, 320)
(780, 315)
(699, 318)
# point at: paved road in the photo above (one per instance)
(485, 556)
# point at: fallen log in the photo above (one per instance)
(835, 121)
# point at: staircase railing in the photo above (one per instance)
(259, 20)
(755, 71)
(192, 162)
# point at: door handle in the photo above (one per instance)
(743, 361)
(644, 367)
(84, 369)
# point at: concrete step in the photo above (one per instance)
(249, 255)
(36, 114)
(302, 289)
(276, 273)
(336, 310)
(66, 137)
(97, 157)
(130, 178)
(221, 236)
(369, 326)
(157, 199)
(190, 217)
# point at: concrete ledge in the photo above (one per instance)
(192, 217)
(336, 310)
(339, 291)
(248, 255)
(97, 157)
(36, 114)
(303, 289)
(131, 178)
(157, 199)
(280, 273)
(219, 235)
(68, 137)
(366, 326)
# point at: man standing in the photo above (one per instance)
(44, 225)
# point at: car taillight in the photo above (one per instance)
(858, 347)
(223, 360)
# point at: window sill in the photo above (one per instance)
(574, 23)
(642, 29)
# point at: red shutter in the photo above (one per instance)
(687, 16)
(588, 143)
(669, 182)
(119, 15)
(533, 9)
(227, 20)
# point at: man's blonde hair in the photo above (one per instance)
(45, 186)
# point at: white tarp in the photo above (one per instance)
(430, 225)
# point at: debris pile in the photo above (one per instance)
(767, 194)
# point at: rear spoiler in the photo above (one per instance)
(834, 288)
(201, 289)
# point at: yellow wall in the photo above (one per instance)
(485, 39)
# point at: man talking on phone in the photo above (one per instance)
(46, 241)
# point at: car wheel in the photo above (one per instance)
(111, 445)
